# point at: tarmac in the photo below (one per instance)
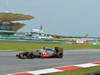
(10, 64)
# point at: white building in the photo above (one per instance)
(39, 34)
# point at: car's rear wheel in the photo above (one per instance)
(60, 55)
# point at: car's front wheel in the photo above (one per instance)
(21, 56)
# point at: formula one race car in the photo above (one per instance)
(43, 53)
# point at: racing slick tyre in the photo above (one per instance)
(21, 56)
(60, 55)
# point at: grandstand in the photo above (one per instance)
(9, 25)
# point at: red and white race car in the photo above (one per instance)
(42, 53)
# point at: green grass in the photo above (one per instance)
(84, 71)
(31, 46)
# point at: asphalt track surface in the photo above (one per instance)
(10, 64)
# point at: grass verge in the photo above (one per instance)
(18, 46)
